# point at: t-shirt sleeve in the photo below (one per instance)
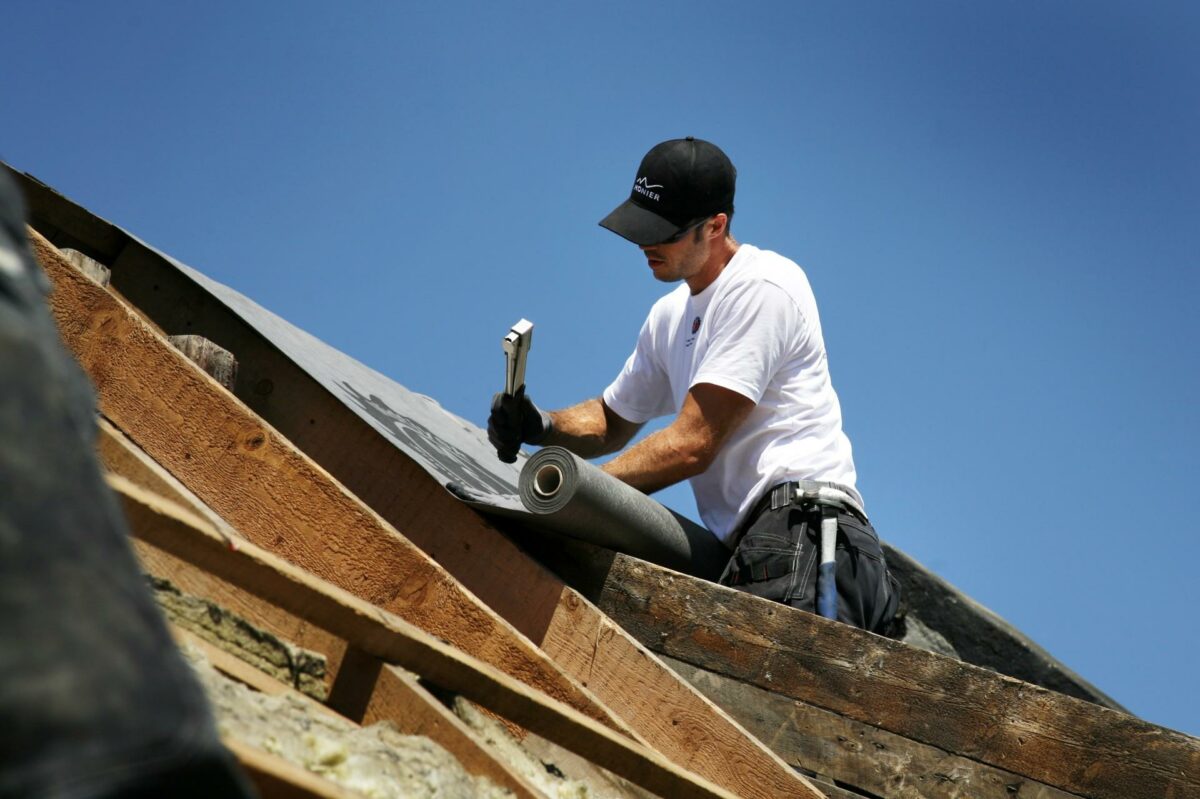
(753, 330)
(642, 390)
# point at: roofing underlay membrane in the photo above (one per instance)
(587, 503)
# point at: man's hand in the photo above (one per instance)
(515, 420)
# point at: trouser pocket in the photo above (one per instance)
(778, 556)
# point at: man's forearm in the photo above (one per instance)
(584, 429)
(667, 457)
(688, 445)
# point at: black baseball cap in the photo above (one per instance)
(679, 183)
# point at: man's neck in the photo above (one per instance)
(722, 253)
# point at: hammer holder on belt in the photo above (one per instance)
(830, 499)
(822, 495)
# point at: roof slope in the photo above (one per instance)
(396, 450)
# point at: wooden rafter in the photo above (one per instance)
(394, 641)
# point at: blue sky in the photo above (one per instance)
(996, 204)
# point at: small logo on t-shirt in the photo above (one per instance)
(690, 340)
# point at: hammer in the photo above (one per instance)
(516, 351)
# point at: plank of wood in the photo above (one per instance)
(274, 495)
(871, 760)
(217, 362)
(193, 580)
(89, 266)
(1067, 743)
(119, 455)
(692, 732)
(276, 778)
(388, 637)
(397, 696)
(239, 670)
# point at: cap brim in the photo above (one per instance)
(631, 221)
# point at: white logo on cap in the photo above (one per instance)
(643, 186)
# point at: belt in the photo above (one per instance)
(808, 492)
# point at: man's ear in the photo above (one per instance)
(720, 225)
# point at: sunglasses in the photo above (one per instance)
(683, 231)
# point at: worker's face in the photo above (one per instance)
(679, 260)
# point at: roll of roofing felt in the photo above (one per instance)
(569, 496)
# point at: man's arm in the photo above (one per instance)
(589, 429)
(688, 445)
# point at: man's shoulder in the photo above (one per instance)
(759, 266)
(758, 263)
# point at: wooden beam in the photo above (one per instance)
(217, 362)
(397, 696)
(239, 670)
(680, 723)
(395, 641)
(872, 760)
(89, 266)
(1064, 742)
(405, 703)
(119, 455)
(258, 482)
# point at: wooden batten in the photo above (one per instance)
(1069, 744)
(217, 362)
(274, 495)
(89, 266)
(257, 481)
(392, 694)
(389, 638)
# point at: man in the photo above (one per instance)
(96, 700)
(736, 353)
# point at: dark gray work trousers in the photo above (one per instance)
(778, 555)
(95, 700)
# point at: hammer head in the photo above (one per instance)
(516, 350)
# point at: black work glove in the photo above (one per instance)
(515, 420)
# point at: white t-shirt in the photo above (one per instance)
(754, 330)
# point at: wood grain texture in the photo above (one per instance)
(217, 362)
(1050, 738)
(871, 760)
(391, 639)
(119, 455)
(642, 690)
(274, 495)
